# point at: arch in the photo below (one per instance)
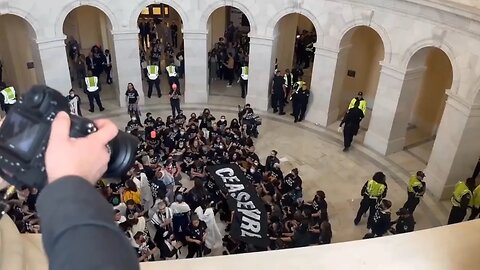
(272, 23)
(381, 32)
(145, 3)
(222, 3)
(27, 17)
(76, 4)
(444, 47)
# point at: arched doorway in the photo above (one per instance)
(87, 27)
(20, 60)
(358, 70)
(429, 74)
(228, 29)
(161, 43)
(293, 48)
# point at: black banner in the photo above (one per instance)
(250, 218)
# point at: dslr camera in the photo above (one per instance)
(26, 130)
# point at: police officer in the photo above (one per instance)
(288, 77)
(362, 105)
(92, 88)
(461, 199)
(405, 222)
(244, 79)
(297, 86)
(278, 93)
(373, 191)
(153, 79)
(352, 124)
(175, 99)
(8, 97)
(475, 203)
(416, 189)
(301, 103)
(173, 76)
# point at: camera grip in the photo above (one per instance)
(81, 127)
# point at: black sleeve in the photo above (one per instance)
(78, 231)
(465, 201)
(385, 191)
(364, 189)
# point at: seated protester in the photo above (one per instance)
(131, 192)
(133, 208)
(381, 219)
(196, 195)
(319, 207)
(201, 138)
(292, 183)
(162, 220)
(254, 176)
(173, 167)
(133, 126)
(234, 125)
(180, 119)
(229, 135)
(144, 254)
(195, 236)
(198, 171)
(158, 123)
(170, 122)
(405, 222)
(112, 195)
(193, 120)
(179, 150)
(168, 246)
(154, 156)
(250, 154)
(214, 133)
(181, 215)
(222, 123)
(271, 160)
(118, 217)
(299, 238)
(189, 159)
(325, 233)
(152, 139)
(169, 140)
(192, 131)
(206, 120)
(274, 231)
(181, 135)
(149, 123)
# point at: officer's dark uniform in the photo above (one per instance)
(278, 95)
(300, 104)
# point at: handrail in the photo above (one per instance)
(442, 248)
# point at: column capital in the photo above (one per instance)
(195, 35)
(393, 71)
(462, 105)
(125, 34)
(326, 52)
(48, 43)
(261, 40)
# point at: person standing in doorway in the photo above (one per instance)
(175, 99)
(131, 96)
(288, 84)
(108, 66)
(153, 79)
(173, 76)
(92, 88)
(416, 190)
(362, 103)
(461, 199)
(352, 121)
(80, 70)
(174, 32)
(74, 102)
(230, 65)
(301, 103)
(244, 79)
(278, 93)
(8, 97)
(373, 191)
(98, 61)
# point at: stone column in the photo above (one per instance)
(196, 67)
(321, 88)
(393, 105)
(54, 64)
(456, 149)
(127, 62)
(261, 64)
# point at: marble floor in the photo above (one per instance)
(317, 153)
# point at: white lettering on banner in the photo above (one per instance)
(250, 220)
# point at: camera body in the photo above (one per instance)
(25, 133)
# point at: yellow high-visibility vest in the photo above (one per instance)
(362, 106)
(244, 74)
(152, 71)
(171, 71)
(460, 190)
(476, 197)
(9, 95)
(375, 189)
(92, 83)
(412, 183)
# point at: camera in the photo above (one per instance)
(26, 130)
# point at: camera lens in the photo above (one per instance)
(123, 149)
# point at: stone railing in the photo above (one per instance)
(442, 248)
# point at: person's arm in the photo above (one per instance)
(69, 231)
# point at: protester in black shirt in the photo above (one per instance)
(405, 222)
(174, 95)
(271, 160)
(381, 219)
(319, 207)
(278, 93)
(195, 236)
